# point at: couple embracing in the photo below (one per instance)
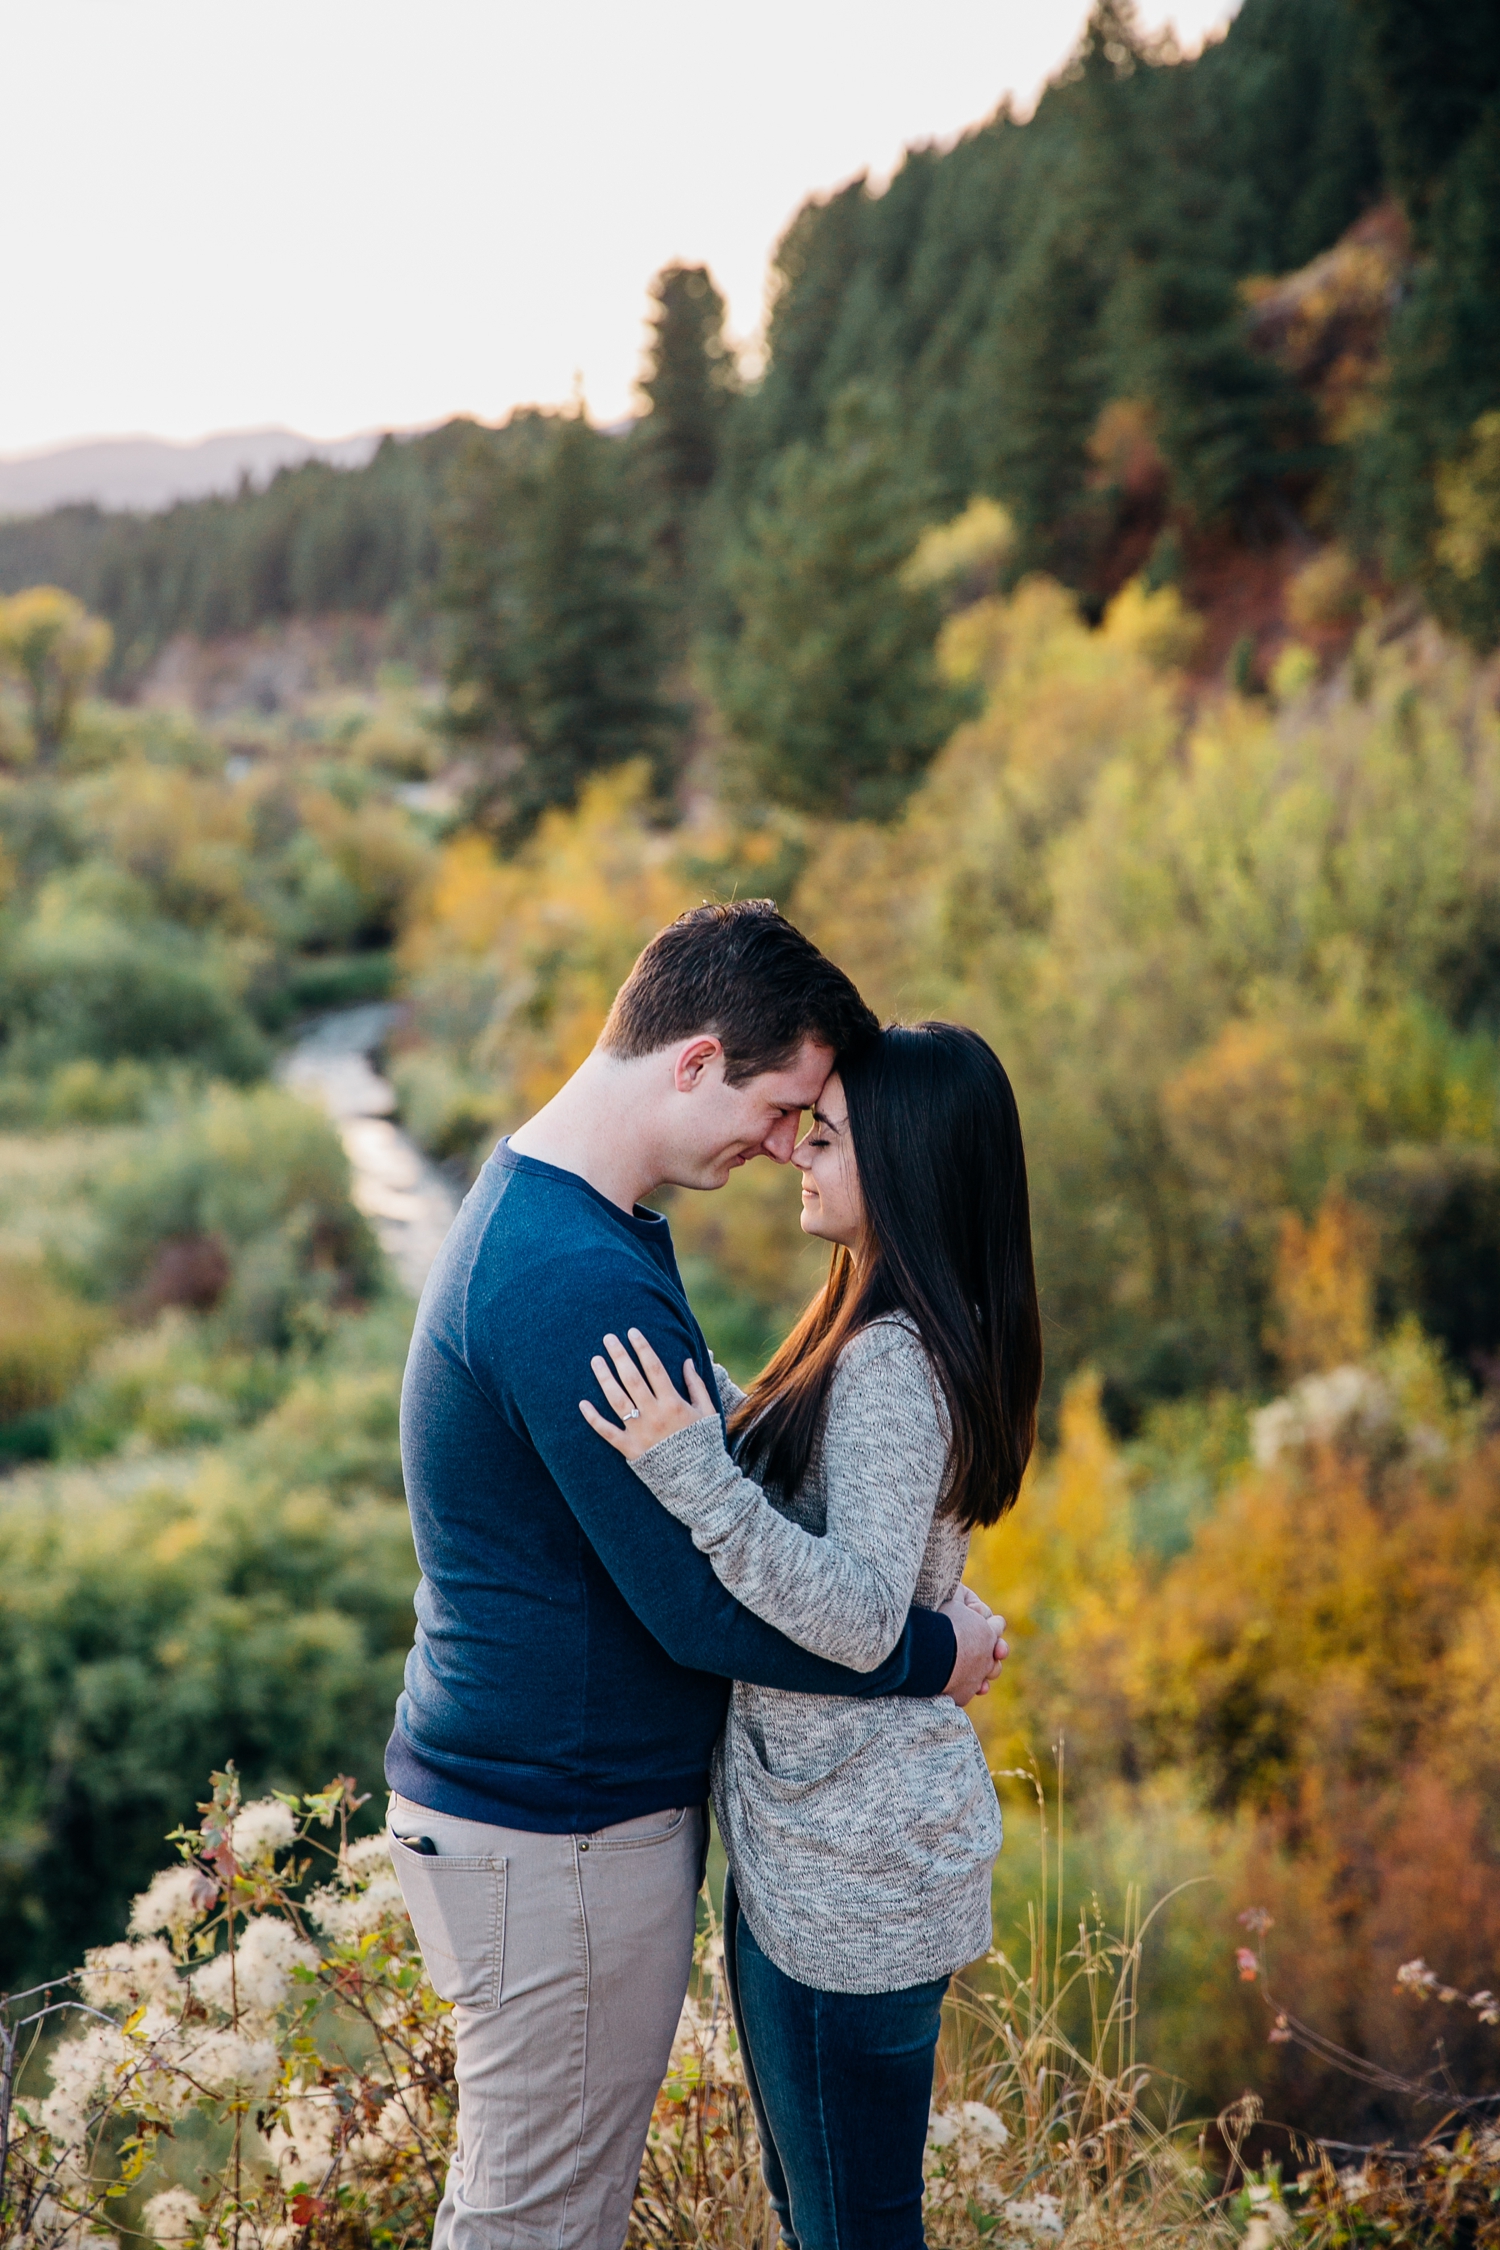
(642, 1586)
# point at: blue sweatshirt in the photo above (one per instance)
(574, 1650)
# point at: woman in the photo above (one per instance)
(897, 1417)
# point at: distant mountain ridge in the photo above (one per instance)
(150, 473)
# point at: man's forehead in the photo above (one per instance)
(801, 1082)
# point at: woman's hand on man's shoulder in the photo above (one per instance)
(643, 1395)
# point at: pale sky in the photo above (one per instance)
(348, 214)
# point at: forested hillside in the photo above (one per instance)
(317, 539)
(1086, 627)
(1007, 290)
(1058, 311)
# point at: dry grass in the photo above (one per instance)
(1046, 2125)
(333, 2079)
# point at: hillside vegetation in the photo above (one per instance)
(1078, 633)
(1058, 311)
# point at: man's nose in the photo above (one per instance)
(781, 1139)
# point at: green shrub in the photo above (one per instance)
(91, 975)
(166, 1386)
(340, 980)
(261, 1176)
(46, 1336)
(93, 1093)
(447, 1110)
(397, 743)
(103, 733)
(228, 1605)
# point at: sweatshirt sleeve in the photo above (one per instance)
(671, 1587)
(730, 1394)
(844, 1595)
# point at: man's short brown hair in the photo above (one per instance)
(742, 973)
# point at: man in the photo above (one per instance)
(549, 1763)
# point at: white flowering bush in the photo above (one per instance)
(271, 1992)
(292, 2016)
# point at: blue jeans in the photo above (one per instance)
(841, 2086)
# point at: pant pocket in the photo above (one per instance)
(457, 1908)
(633, 1835)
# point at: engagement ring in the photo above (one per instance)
(632, 1414)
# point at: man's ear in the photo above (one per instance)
(693, 1061)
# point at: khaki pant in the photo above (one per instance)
(567, 1959)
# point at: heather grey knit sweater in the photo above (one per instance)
(861, 1835)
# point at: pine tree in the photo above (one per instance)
(1431, 74)
(832, 683)
(1434, 79)
(1228, 422)
(557, 641)
(689, 382)
(1035, 390)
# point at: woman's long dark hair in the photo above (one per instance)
(947, 1241)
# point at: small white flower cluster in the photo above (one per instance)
(364, 1894)
(967, 2121)
(125, 1975)
(259, 1976)
(301, 2141)
(369, 1857)
(262, 1830)
(1269, 2217)
(1350, 1406)
(225, 2061)
(54, 2227)
(173, 1901)
(84, 2070)
(963, 2142)
(1034, 2215)
(172, 2218)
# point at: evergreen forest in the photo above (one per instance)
(1086, 623)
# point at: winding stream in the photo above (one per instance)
(407, 1201)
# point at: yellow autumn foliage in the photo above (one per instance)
(1062, 1570)
(1324, 1289)
(1210, 941)
(526, 954)
(52, 648)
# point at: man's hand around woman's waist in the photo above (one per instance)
(981, 1649)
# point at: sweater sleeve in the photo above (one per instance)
(730, 1394)
(845, 1595)
(672, 1589)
